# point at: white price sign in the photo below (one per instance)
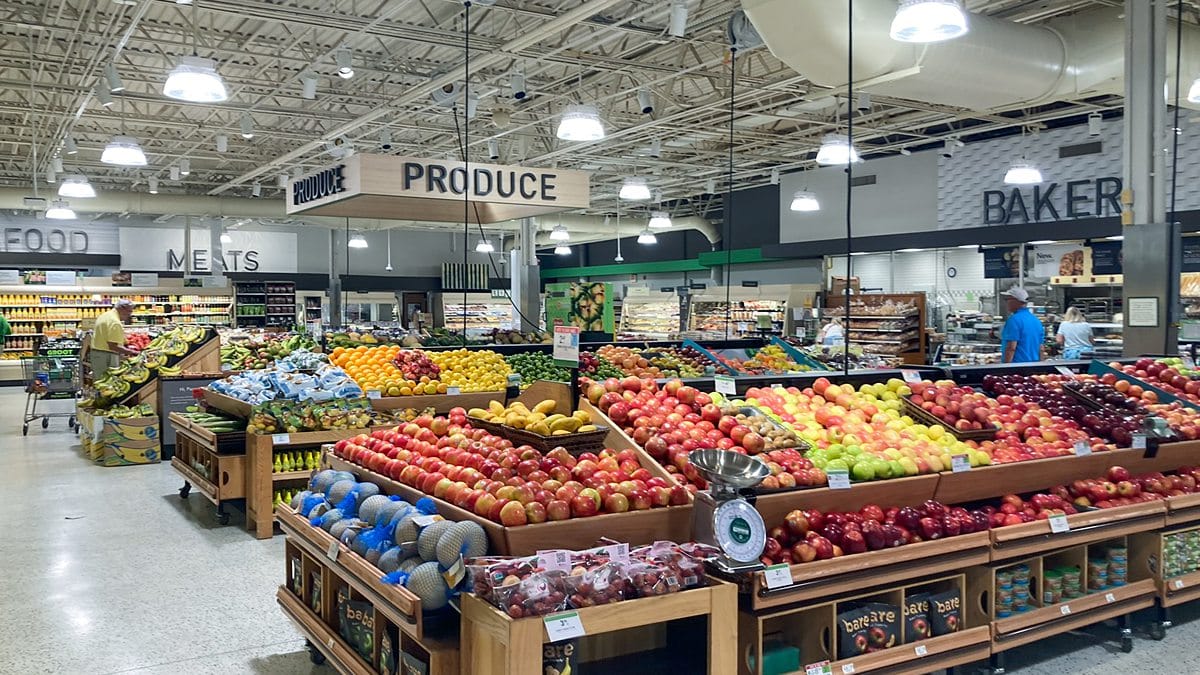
(424, 521)
(1064, 610)
(374, 394)
(724, 384)
(281, 439)
(566, 346)
(1063, 370)
(960, 463)
(1082, 448)
(847, 668)
(332, 552)
(1139, 441)
(839, 480)
(1059, 524)
(777, 576)
(1177, 584)
(453, 391)
(910, 376)
(921, 650)
(1109, 597)
(563, 626)
(818, 668)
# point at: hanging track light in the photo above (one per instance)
(185, 167)
(677, 26)
(247, 126)
(222, 143)
(308, 85)
(152, 185)
(925, 21)
(69, 145)
(114, 78)
(103, 95)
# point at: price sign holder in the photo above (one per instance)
(281, 439)
(724, 384)
(565, 626)
(910, 376)
(1082, 448)
(777, 576)
(1059, 524)
(838, 480)
(960, 463)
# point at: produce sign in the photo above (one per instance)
(475, 470)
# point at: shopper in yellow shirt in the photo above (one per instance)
(108, 338)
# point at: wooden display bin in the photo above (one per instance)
(1017, 541)
(1148, 560)
(495, 644)
(441, 403)
(812, 628)
(218, 476)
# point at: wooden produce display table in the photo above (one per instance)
(213, 464)
(495, 644)
(318, 569)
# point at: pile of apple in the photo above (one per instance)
(807, 535)
(863, 432)
(1119, 488)
(1162, 376)
(485, 474)
(962, 408)
(1043, 419)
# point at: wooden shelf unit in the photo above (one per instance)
(915, 319)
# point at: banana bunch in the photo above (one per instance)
(125, 411)
(170, 371)
(541, 420)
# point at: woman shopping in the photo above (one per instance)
(831, 333)
(1074, 335)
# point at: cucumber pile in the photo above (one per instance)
(218, 424)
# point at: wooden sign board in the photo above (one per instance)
(410, 188)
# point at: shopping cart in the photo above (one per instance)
(52, 374)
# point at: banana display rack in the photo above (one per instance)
(51, 374)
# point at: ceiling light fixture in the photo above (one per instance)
(308, 85)
(70, 146)
(256, 191)
(51, 175)
(968, 246)
(1194, 92)
(910, 250)
(516, 84)
(659, 220)
(645, 101)
(104, 96)
(1116, 237)
(114, 78)
(656, 148)
(345, 62)
(247, 125)
(195, 79)
(925, 21)
(493, 149)
(647, 237)
(388, 266)
(1023, 173)
(123, 151)
(185, 167)
(677, 26)
(836, 150)
(805, 201)
(225, 238)
(357, 241)
(76, 186)
(634, 188)
(152, 185)
(222, 143)
(173, 172)
(562, 249)
(775, 176)
(484, 246)
(281, 180)
(580, 122)
(710, 187)
(59, 210)
(560, 233)
(57, 164)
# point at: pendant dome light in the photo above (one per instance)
(562, 249)
(925, 21)
(836, 150)
(357, 241)
(1194, 92)
(560, 233)
(123, 151)
(226, 238)
(59, 210)
(659, 220)
(195, 79)
(580, 122)
(76, 186)
(805, 201)
(345, 62)
(647, 237)
(484, 246)
(634, 188)
(1022, 173)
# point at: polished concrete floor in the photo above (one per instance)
(106, 570)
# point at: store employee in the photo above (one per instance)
(108, 338)
(1023, 333)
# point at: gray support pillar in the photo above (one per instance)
(335, 280)
(1151, 247)
(526, 278)
(215, 248)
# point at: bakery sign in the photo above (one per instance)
(409, 188)
(1050, 202)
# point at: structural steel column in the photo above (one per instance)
(1151, 246)
(526, 276)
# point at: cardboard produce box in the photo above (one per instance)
(121, 441)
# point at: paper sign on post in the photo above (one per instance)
(724, 384)
(777, 576)
(563, 626)
(566, 346)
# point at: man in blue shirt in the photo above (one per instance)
(1023, 333)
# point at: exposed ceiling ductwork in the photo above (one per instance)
(998, 64)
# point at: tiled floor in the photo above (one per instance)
(108, 571)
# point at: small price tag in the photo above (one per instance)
(847, 668)
(921, 650)
(563, 626)
(1082, 448)
(1059, 524)
(424, 521)
(1065, 371)
(330, 643)
(514, 380)
(374, 393)
(724, 385)
(332, 552)
(910, 376)
(1188, 362)
(1064, 610)
(456, 572)
(1177, 584)
(1109, 597)
(777, 576)
(1139, 441)
(960, 463)
(818, 668)
(453, 391)
(281, 439)
(839, 480)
